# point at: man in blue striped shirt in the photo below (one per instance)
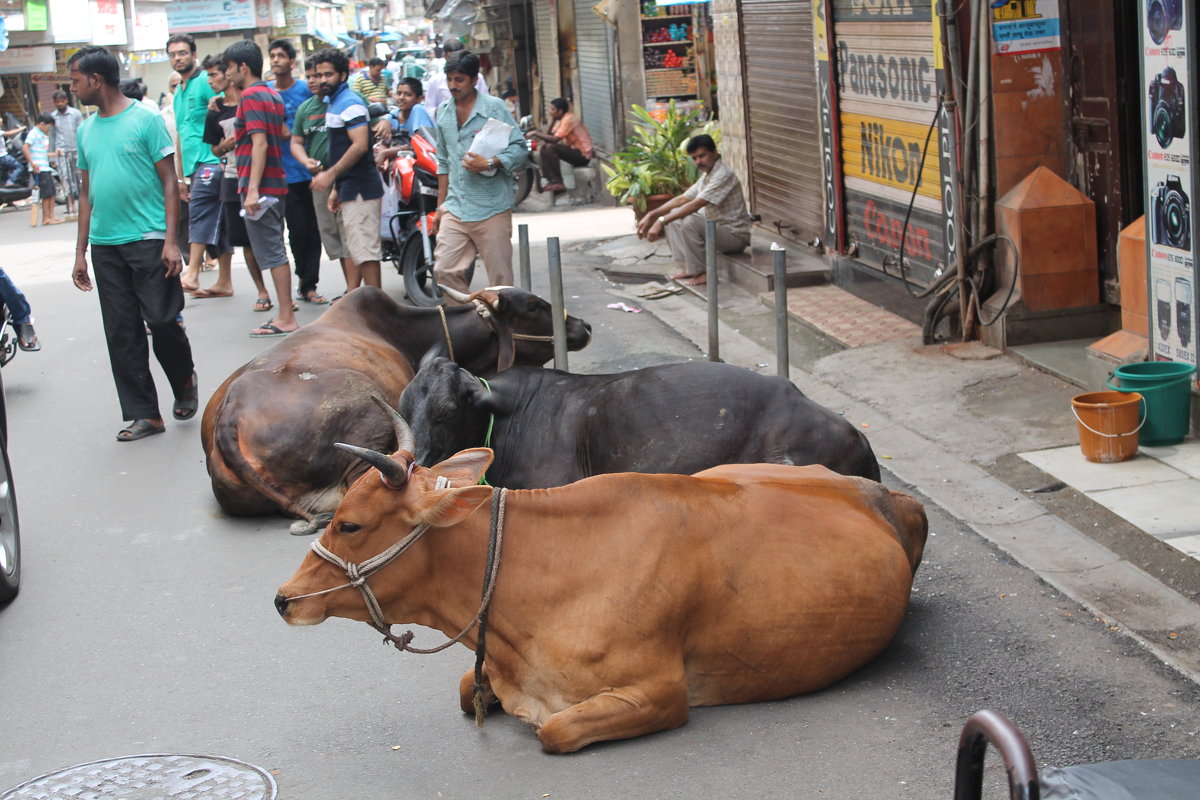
(475, 193)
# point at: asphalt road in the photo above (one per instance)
(145, 622)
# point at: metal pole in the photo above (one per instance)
(558, 311)
(523, 250)
(710, 269)
(782, 361)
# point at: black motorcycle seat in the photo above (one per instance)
(1160, 779)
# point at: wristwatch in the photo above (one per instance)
(494, 162)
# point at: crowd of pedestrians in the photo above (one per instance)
(245, 157)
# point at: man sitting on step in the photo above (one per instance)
(568, 140)
(716, 196)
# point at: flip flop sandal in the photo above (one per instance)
(315, 298)
(263, 304)
(271, 332)
(139, 429)
(204, 294)
(27, 340)
(188, 400)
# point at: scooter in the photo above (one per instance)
(10, 526)
(408, 241)
(23, 188)
(530, 174)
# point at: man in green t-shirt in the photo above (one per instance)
(310, 146)
(201, 188)
(128, 210)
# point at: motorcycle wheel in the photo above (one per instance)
(10, 531)
(524, 184)
(60, 192)
(419, 283)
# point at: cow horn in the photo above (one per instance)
(394, 473)
(404, 435)
(455, 294)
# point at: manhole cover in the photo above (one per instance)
(151, 777)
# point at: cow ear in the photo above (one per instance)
(445, 507)
(465, 468)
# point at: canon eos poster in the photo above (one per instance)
(1171, 178)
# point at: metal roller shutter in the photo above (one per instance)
(781, 106)
(546, 22)
(594, 56)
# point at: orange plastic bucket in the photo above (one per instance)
(1108, 424)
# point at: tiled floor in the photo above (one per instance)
(1158, 490)
(847, 319)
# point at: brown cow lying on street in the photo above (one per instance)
(621, 600)
(268, 431)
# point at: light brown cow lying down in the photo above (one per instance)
(621, 600)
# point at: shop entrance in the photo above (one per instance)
(1105, 114)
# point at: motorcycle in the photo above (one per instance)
(408, 243)
(10, 527)
(24, 188)
(528, 175)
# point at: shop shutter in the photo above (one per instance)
(888, 87)
(782, 116)
(594, 56)
(546, 23)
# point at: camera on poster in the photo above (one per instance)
(1183, 310)
(1168, 117)
(1170, 214)
(1162, 17)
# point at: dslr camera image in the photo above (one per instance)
(1170, 212)
(1168, 118)
(1162, 17)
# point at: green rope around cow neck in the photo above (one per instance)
(487, 439)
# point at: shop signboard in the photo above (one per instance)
(108, 22)
(192, 16)
(1169, 119)
(149, 29)
(1025, 26)
(12, 16)
(895, 138)
(71, 21)
(23, 60)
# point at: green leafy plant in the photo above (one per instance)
(655, 159)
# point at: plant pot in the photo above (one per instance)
(652, 202)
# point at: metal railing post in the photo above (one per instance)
(710, 271)
(782, 360)
(523, 250)
(557, 308)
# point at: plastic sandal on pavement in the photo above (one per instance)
(27, 338)
(139, 429)
(268, 331)
(188, 399)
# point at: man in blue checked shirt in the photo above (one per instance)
(474, 213)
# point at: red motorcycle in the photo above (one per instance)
(407, 241)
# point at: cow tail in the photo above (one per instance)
(225, 438)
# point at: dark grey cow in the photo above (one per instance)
(550, 428)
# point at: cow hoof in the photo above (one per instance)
(303, 527)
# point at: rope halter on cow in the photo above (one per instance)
(395, 474)
(506, 356)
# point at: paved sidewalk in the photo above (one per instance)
(952, 420)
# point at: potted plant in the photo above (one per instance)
(654, 166)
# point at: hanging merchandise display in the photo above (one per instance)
(1168, 73)
(676, 47)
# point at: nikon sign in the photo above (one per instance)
(1169, 134)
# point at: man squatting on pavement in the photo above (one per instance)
(717, 195)
(128, 211)
(475, 194)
